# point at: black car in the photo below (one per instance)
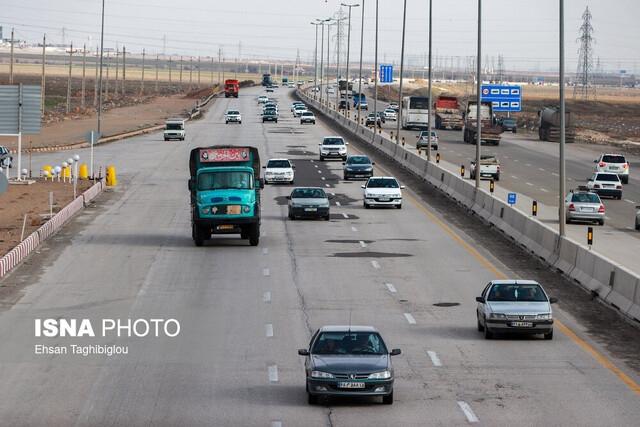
(6, 159)
(309, 202)
(343, 105)
(509, 124)
(382, 117)
(358, 166)
(270, 115)
(348, 361)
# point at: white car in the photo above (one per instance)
(298, 110)
(233, 116)
(307, 117)
(263, 99)
(605, 185)
(293, 106)
(333, 147)
(382, 191)
(279, 170)
(390, 114)
(174, 129)
(614, 163)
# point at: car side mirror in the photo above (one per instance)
(346, 143)
(303, 352)
(261, 183)
(417, 136)
(362, 186)
(595, 161)
(480, 299)
(395, 352)
(288, 197)
(373, 163)
(293, 167)
(344, 163)
(264, 167)
(319, 144)
(190, 184)
(330, 196)
(402, 187)
(553, 300)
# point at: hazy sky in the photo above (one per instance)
(525, 32)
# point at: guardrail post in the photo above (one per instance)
(403, 141)
(492, 186)
(462, 171)
(534, 208)
(391, 135)
(590, 237)
(438, 160)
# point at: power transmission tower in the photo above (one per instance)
(500, 73)
(584, 84)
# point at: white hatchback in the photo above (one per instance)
(382, 191)
(279, 170)
(614, 163)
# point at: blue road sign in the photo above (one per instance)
(386, 73)
(503, 97)
(511, 199)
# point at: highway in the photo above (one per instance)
(244, 311)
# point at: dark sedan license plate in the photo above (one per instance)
(350, 385)
(522, 324)
(310, 209)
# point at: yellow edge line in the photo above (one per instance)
(598, 356)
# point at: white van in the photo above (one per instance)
(174, 129)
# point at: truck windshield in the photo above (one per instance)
(225, 180)
(174, 126)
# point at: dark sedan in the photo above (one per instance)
(509, 124)
(358, 167)
(348, 361)
(308, 202)
(270, 116)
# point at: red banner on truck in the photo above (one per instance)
(224, 154)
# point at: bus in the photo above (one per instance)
(415, 112)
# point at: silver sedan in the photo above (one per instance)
(584, 206)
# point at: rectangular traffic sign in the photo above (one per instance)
(503, 97)
(511, 198)
(386, 73)
(20, 109)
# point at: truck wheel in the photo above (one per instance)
(197, 234)
(625, 179)
(254, 234)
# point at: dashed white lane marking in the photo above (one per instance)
(363, 244)
(265, 251)
(529, 184)
(528, 164)
(434, 358)
(606, 217)
(268, 330)
(544, 190)
(391, 288)
(276, 423)
(315, 166)
(322, 178)
(514, 177)
(375, 264)
(355, 230)
(468, 412)
(345, 215)
(319, 171)
(516, 160)
(266, 272)
(326, 185)
(273, 373)
(630, 201)
(337, 203)
(266, 297)
(410, 318)
(555, 174)
(541, 169)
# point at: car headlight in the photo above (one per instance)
(497, 316)
(545, 316)
(324, 205)
(367, 169)
(397, 195)
(246, 208)
(384, 375)
(320, 374)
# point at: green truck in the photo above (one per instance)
(225, 189)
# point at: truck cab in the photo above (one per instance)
(231, 88)
(174, 129)
(225, 189)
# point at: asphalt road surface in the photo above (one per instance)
(244, 311)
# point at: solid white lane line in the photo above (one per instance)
(606, 217)
(544, 190)
(363, 244)
(345, 215)
(268, 330)
(266, 297)
(529, 184)
(410, 318)
(375, 264)
(630, 201)
(273, 373)
(265, 251)
(468, 412)
(391, 288)
(337, 203)
(266, 272)
(434, 358)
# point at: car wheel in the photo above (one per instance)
(312, 399)
(497, 177)
(480, 327)
(637, 225)
(399, 206)
(166, 139)
(601, 222)
(567, 220)
(388, 399)
(240, 122)
(549, 336)
(487, 333)
(226, 122)
(327, 218)
(321, 159)
(366, 206)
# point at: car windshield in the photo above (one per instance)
(516, 292)
(607, 177)
(300, 107)
(389, 110)
(611, 158)
(382, 183)
(174, 126)
(278, 164)
(509, 121)
(425, 133)
(349, 343)
(358, 160)
(585, 198)
(308, 193)
(225, 180)
(333, 141)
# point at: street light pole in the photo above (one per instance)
(360, 72)
(562, 187)
(315, 60)
(478, 102)
(349, 47)
(404, 24)
(321, 61)
(328, 57)
(430, 91)
(375, 73)
(100, 77)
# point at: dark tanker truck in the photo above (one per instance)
(549, 126)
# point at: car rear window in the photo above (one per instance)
(333, 141)
(308, 193)
(585, 198)
(607, 177)
(516, 292)
(233, 112)
(278, 164)
(611, 158)
(382, 183)
(307, 113)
